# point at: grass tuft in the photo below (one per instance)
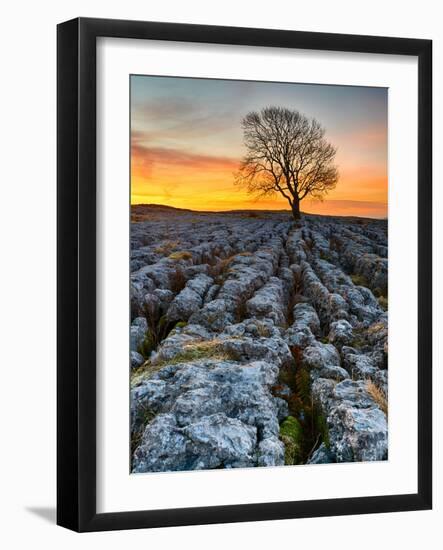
(376, 327)
(359, 280)
(167, 247)
(359, 341)
(177, 280)
(378, 395)
(208, 349)
(180, 255)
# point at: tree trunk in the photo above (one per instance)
(296, 210)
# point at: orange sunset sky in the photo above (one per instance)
(187, 141)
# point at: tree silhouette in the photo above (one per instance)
(287, 153)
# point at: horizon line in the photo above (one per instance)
(288, 210)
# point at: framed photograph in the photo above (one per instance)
(244, 274)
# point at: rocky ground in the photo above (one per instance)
(256, 342)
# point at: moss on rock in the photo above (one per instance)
(291, 434)
(147, 346)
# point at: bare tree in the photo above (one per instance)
(287, 153)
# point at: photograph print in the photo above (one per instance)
(258, 274)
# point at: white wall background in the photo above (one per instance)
(27, 287)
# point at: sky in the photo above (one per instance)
(187, 142)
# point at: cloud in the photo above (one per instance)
(145, 159)
(175, 119)
(141, 164)
(161, 109)
(372, 136)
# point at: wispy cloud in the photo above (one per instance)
(144, 159)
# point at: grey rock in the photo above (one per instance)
(221, 441)
(216, 414)
(340, 333)
(139, 328)
(177, 340)
(305, 315)
(374, 269)
(282, 408)
(321, 355)
(337, 308)
(268, 302)
(300, 337)
(322, 456)
(358, 434)
(358, 429)
(136, 360)
(323, 393)
(165, 296)
(353, 393)
(190, 299)
(335, 373)
(306, 324)
(360, 366)
(163, 447)
(211, 294)
(271, 452)
(274, 349)
(215, 315)
(136, 297)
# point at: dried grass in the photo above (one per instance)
(167, 247)
(359, 280)
(180, 255)
(378, 395)
(177, 280)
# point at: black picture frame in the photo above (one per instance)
(76, 281)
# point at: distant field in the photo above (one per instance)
(141, 212)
